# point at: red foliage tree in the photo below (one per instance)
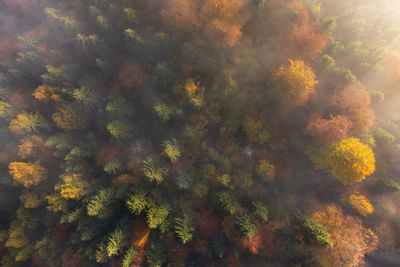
(323, 130)
(224, 21)
(130, 76)
(306, 38)
(182, 13)
(70, 258)
(354, 101)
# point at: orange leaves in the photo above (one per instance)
(182, 13)
(294, 82)
(27, 174)
(354, 101)
(224, 21)
(350, 238)
(306, 37)
(29, 145)
(333, 129)
(46, 93)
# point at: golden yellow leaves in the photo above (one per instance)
(361, 204)
(294, 82)
(73, 186)
(27, 174)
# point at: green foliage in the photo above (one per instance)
(260, 211)
(84, 97)
(156, 255)
(184, 227)
(131, 14)
(119, 130)
(100, 204)
(101, 253)
(229, 202)
(171, 150)
(184, 180)
(163, 111)
(118, 107)
(246, 226)
(137, 202)
(156, 215)
(129, 257)
(113, 167)
(315, 231)
(153, 169)
(116, 242)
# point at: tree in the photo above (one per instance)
(171, 150)
(116, 242)
(119, 130)
(27, 123)
(185, 227)
(305, 37)
(350, 239)
(260, 211)
(294, 82)
(56, 203)
(266, 170)
(131, 76)
(73, 186)
(67, 118)
(181, 13)
(163, 111)
(29, 146)
(129, 256)
(328, 130)
(137, 202)
(349, 161)
(246, 226)
(157, 214)
(46, 93)
(100, 204)
(27, 174)
(224, 21)
(361, 204)
(84, 97)
(354, 101)
(153, 169)
(315, 231)
(229, 202)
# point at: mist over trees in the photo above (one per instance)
(199, 133)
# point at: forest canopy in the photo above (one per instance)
(199, 133)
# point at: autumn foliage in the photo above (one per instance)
(361, 204)
(183, 14)
(27, 174)
(224, 21)
(328, 130)
(349, 161)
(294, 82)
(351, 240)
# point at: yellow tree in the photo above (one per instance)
(361, 204)
(294, 82)
(349, 161)
(27, 123)
(27, 174)
(68, 118)
(73, 186)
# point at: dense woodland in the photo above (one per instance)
(199, 133)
